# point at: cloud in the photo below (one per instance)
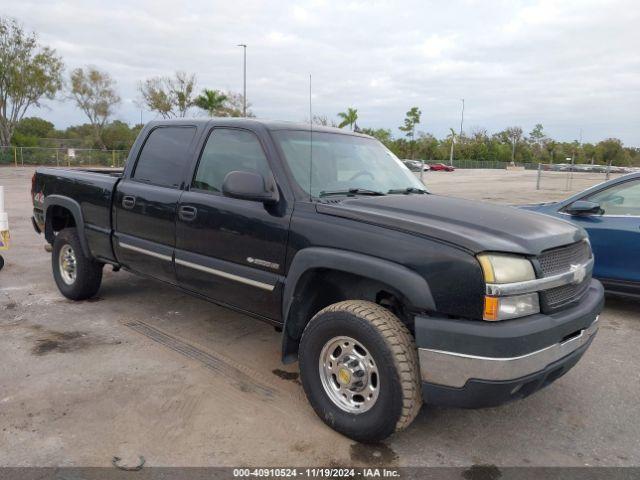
(570, 65)
(436, 45)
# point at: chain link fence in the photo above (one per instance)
(568, 177)
(483, 164)
(61, 157)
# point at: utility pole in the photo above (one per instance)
(244, 79)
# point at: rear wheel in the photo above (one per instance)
(77, 276)
(359, 369)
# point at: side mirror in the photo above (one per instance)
(249, 186)
(583, 207)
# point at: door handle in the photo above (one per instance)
(187, 213)
(128, 202)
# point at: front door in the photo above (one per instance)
(615, 234)
(146, 202)
(231, 250)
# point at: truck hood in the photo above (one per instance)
(475, 226)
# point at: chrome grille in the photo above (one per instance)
(559, 296)
(559, 260)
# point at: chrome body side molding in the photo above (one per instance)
(229, 276)
(144, 251)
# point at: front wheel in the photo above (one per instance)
(359, 369)
(77, 276)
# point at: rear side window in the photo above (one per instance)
(164, 155)
(228, 150)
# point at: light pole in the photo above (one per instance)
(244, 77)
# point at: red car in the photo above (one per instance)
(441, 167)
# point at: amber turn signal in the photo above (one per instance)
(491, 308)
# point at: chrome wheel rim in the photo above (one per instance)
(68, 264)
(349, 374)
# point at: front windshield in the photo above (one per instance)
(344, 164)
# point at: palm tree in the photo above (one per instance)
(452, 136)
(348, 118)
(212, 101)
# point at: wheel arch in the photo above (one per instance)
(313, 282)
(56, 209)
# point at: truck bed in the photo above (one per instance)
(91, 190)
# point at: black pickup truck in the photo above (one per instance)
(387, 295)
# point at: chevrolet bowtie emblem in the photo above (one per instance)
(579, 273)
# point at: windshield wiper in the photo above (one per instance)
(351, 191)
(407, 190)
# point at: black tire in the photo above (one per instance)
(1, 262)
(392, 347)
(88, 272)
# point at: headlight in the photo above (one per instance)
(505, 268)
(500, 268)
(503, 308)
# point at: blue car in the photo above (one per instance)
(610, 213)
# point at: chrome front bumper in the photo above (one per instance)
(453, 369)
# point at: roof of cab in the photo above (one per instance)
(272, 125)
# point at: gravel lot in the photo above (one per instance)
(146, 370)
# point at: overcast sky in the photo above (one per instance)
(569, 65)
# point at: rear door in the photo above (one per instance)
(615, 234)
(227, 249)
(146, 201)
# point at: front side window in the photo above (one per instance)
(621, 199)
(340, 163)
(164, 155)
(228, 150)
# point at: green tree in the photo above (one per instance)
(514, 135)
(611, 151)
(182, 88)
(29, 72)
(211, 101)
(537, 134)
(169, 96)
(118, 135)
(156, 97)
(348, 118)
(550, 146)
(536, 139)
(234, 105)
(94, 93)
(323, 121)
(589, 152)
(30, 130)
(411, 119)
(427, 146)
(382, 134)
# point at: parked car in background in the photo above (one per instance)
(416, 165)
(614, 169)
(610, 212)
(441, 167)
